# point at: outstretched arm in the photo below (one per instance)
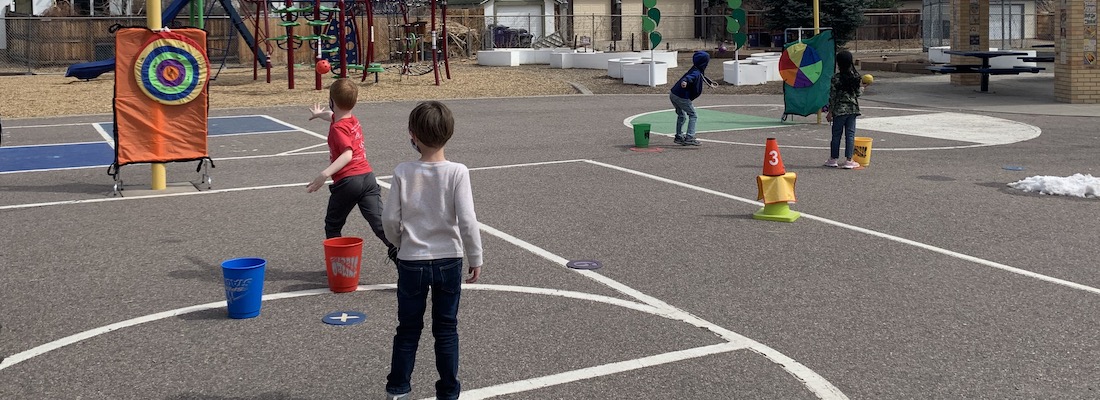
(318, 111)
(327, 173)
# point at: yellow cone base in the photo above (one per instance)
(779, 212)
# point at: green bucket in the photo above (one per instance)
(641, 135)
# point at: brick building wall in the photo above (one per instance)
(1076, 64)
(969, 32)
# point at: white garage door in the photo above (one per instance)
(527, 17)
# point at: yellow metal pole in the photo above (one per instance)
(817, 18)
(817, 30)
(152, 19)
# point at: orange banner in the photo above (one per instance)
(161, 99)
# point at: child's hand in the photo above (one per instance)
(475, 272)
(317, 111)
(316, 184)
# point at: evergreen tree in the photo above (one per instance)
(844, 16)
(882, 4)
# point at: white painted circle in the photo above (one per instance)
(977, 130)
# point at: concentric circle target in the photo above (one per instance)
(800, 66)
(171, 69)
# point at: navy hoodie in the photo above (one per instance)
(693, 77)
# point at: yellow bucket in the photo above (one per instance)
(862, 154)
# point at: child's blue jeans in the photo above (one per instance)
(415, 279)
(684, 110)
(843, 125)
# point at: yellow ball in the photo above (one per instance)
(868, 79)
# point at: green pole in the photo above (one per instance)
(194, 14)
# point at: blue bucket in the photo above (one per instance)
(244, 286)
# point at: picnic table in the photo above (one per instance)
(984, 69)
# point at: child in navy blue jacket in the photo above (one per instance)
(688, 88)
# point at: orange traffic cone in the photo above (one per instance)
(773, 162)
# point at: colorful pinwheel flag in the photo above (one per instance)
(807, 70)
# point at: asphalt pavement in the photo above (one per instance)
(922, 275)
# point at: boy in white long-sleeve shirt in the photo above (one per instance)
(429, 215)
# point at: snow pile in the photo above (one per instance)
(1076, 185)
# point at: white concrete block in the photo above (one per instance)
(561, 60)
(741, 73)
(936, 55)
(771, 68)
(650, 73)
(615, 66)
(498, 58)
(1012, 61)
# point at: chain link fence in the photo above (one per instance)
(37, 45)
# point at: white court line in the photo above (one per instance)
(597, 371)
(705, 190)
(216, 159)
(530, 164)
(153, 196)
(817, 384)
(248, 133)
(886, 236)
(289, 152)
(789, 364)
(94, 123)
(106, 136)
(54, 125)
(65, 341)
(26, 146)
(54, 169)
(813, 381)
(295, 127)
(110, 141)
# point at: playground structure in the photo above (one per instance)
(196, 18)
(336, 35)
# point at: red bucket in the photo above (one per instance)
(343, 255)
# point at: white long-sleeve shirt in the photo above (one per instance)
(429, 212)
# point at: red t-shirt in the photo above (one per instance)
(346, 134)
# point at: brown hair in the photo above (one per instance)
(343, 94)
(432, 123)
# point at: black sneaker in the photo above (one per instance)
(690, 142)
(678, 140)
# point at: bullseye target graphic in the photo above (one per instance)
(800, 65)
(171, 69)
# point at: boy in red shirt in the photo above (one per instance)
(353, 181)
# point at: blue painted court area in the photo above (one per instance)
(52, 156)
(236, 125)
(92, 154)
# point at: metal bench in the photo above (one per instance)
(1013, 71)
(1037, 59)
(977, 69)
(985, 71)
(955, 68)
